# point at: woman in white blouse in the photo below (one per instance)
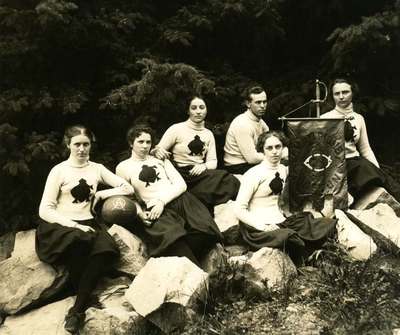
(178, 224)
(262, 223)
(68, 233)
(363, 171)
(191, 147)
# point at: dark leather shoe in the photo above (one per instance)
(73, 321)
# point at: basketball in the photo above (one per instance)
(119, 209)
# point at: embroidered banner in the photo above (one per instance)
(317, 167)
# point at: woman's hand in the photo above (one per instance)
(197, 169)
(271, 227)
(160, 153)
(98, 196)
(157, 207)
(143, 215)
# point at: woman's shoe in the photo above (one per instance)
(73, 321)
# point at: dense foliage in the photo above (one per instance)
(108, 63)
(336, 295)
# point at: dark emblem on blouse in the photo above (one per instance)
(81, 192)
(276, 184)
(148, 174)
(196, 146)
(349, 131)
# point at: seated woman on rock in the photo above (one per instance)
(68, 233)
(193, 153)
(178, 224)
(363, 170)
(261, 222)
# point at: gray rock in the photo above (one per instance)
(116, 316)
(359, 245)
(133, 250)
(25, 280)
(376, 196)
(269, 267)
(382, 219)
(166, 289)
(166, 279)
(224, 216)
(47, 320)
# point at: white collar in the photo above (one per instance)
(194, 125)
(345, 111)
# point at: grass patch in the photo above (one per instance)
(331, 295)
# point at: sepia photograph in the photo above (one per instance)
(187, 167)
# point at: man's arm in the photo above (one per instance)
(246, 145)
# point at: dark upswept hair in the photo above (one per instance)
(75, 130)
(138, 129)
(190, 98)
(251, 90)
(267, 134)
(354, 87)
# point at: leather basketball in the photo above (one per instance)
(119, 209)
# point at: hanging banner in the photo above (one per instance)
(317, 166)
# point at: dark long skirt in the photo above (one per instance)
(298, 235)
(238, 168)
(362, 175)
(53, 241)
(212, 187)
(182, 217)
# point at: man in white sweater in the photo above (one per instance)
(240, 144)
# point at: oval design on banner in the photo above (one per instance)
(318, 162)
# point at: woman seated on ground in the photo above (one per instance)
(261, 222)
(363, 170)
(194, 155)
(68, 233)
(178, 224)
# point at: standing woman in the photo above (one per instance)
(261, 222)
(68, 234)
(363, 170)
(178, 224)
(194, 155)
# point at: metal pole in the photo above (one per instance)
(317, 96)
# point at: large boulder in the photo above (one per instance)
(114, 315)
(376, 196)
(382, 219)
(269, 267)
(166, 289)
(25, 280)
(224, 215)
(133, 250)
(359, 245)
(47, 320)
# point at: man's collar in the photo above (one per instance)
(250, 114)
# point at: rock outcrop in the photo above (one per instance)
(114, 315)
(384, 225)
(25, 280)
(269, 267)
(133, 250)
(166, 289)
(359, 245)
(47, 320)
